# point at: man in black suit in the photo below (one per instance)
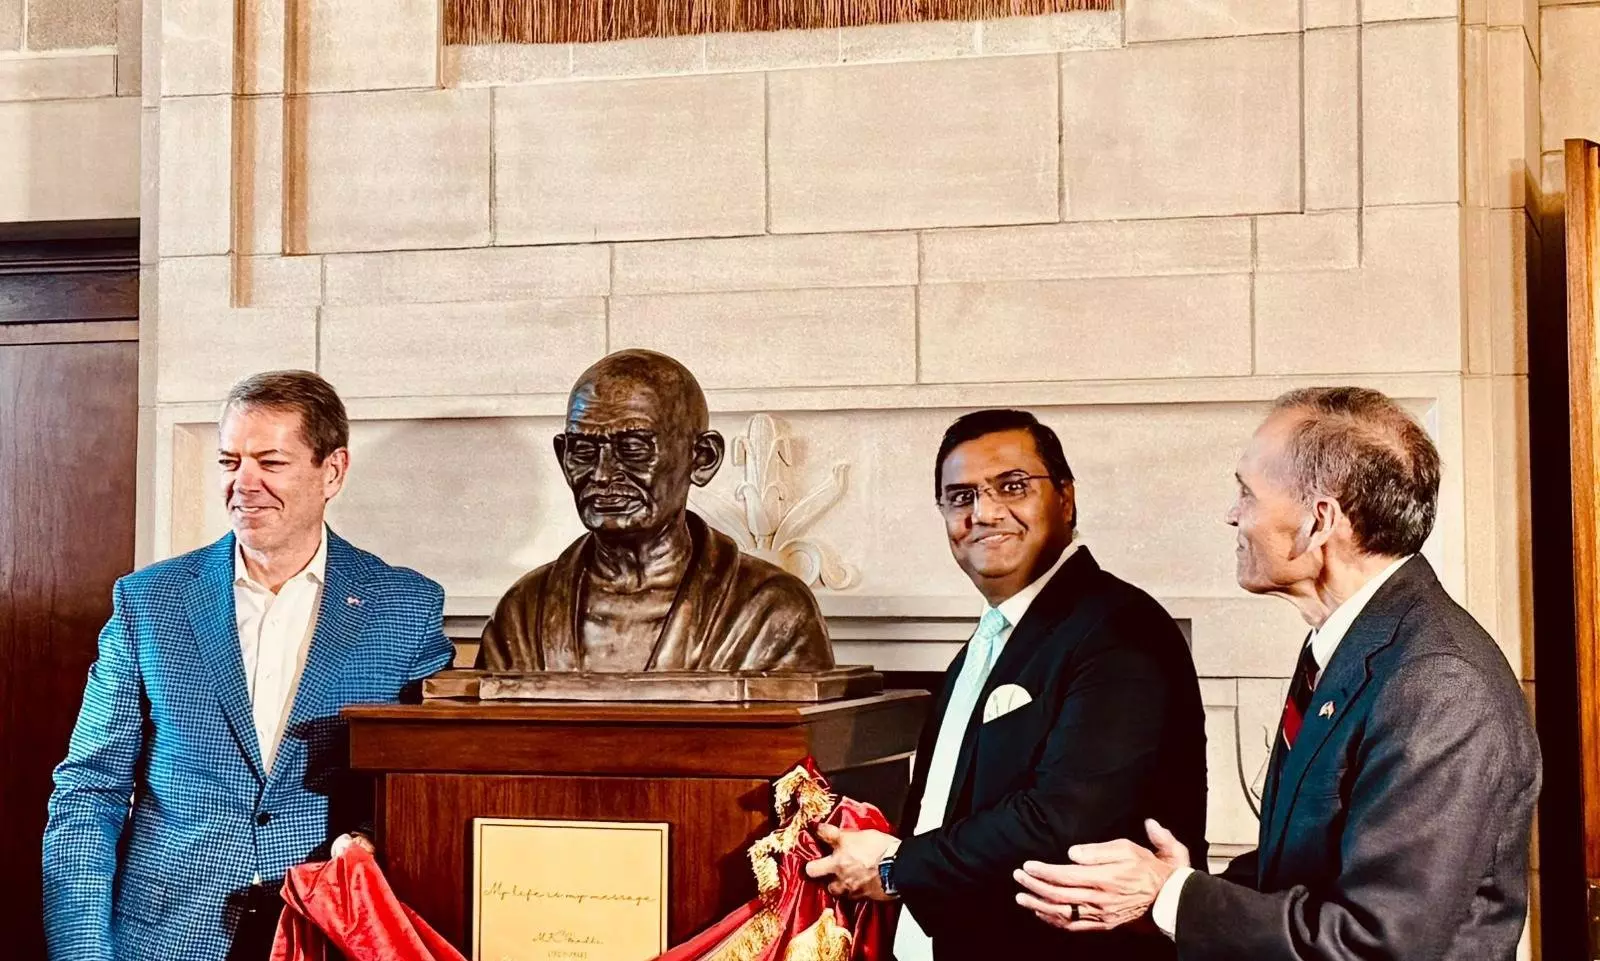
(1072, 711)
(1400, 792)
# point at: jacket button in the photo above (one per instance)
(263, 818)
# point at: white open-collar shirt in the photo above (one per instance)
(275, 633)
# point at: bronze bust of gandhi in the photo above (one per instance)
(651, 587)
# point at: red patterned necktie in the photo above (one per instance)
(1294, 708)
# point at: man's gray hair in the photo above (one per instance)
(1363, 450)
(324, 425)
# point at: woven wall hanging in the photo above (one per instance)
(587, 21)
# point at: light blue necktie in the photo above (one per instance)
(910, 942)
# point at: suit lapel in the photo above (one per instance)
(1340, 685)
(1044, 615)
(208, 602)
(340, 617)
(1269, 790)
(1269, 793)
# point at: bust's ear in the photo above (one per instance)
(560, 443)
(708, 450)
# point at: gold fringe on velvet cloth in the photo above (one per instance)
(800, 801)
(587, 21)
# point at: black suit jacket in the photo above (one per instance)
(1398, 827)
(1115, 733)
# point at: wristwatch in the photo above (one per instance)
(886, 872)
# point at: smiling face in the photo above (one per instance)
(1274, 524)
(275, 492)
(1016, 527)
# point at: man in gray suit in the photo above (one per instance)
(1400, 792)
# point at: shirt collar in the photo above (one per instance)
(316, 571)
(1325, 639)
(1013, 607)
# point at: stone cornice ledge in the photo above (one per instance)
(1196, 390)
(927, 607)
(1234, 636)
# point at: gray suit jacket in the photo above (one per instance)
(1398, 827)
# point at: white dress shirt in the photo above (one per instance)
(275, 633)
(1324, 641)
(911, 943)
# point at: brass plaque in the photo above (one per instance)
(568, 890)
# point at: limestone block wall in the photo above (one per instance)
(1503, 200)
(1570, 93)
(1143, 225)
(69, 114)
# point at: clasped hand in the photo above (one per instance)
(342, 843)
(1106, 886)
(852, 867)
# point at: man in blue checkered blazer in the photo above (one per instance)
(209, 756)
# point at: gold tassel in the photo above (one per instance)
(800, 801)
(588, 21)
(823, 941)
(764, 857)
(751, 939)
(811, 802)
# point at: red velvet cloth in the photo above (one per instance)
(346, 905)
(802, 907)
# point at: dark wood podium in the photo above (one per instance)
(705, 769)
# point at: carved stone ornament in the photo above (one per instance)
(766, 519)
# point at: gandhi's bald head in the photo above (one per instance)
(654, 384)
(637, 435)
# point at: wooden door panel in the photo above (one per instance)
(68, 425)
(1582, 235)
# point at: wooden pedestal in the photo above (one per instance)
(706, 769)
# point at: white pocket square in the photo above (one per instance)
(1003, 700)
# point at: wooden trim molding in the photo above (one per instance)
(69, 332)
(122, 234)
(49, 296)
(68, 274)
(1583, 287)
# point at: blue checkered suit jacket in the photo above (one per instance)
(162, 816)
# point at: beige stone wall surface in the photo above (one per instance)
(1143, 225)
(69, 109)
(1570, 92)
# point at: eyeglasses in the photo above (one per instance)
(1006, 489)
(635, 448)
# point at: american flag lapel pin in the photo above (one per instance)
(353, 601)
(1326, 710)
